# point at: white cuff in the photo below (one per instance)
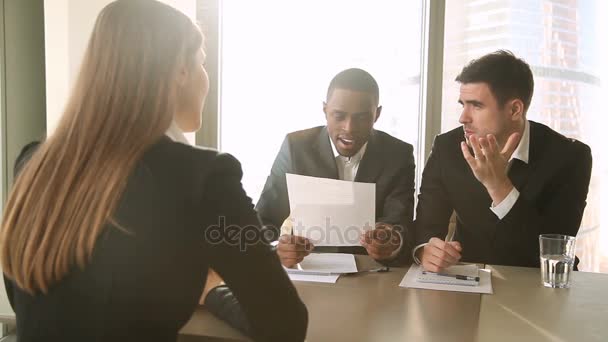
(416, 260)
(502, 209)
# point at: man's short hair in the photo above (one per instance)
(357, 80)
(507, 76)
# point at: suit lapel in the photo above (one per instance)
(371, 161)
(327, 162)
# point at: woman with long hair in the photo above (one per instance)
(112, 222)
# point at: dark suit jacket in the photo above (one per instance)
(388, 162)
(145, 285)
(553, 189)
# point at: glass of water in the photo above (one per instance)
(556, 259)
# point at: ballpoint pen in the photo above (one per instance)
(456, 276)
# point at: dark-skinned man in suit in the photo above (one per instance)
(347, 148)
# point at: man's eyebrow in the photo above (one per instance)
(473, 102)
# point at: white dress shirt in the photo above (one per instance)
(348, 166)
(522, 152)
(176, 134)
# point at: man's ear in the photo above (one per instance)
(517, 109)
(325, 109)
(378, 112)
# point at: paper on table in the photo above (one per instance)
(331, 278)
(331, 212)
(485, 282)
(325, 263)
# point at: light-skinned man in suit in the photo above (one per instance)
(347, 148)
(507, 179)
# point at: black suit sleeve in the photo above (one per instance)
(22, 158)
(273, 205)
(222, 303)
(434, 208)
(398, 207)
(560, 212)
(243, 258)
(25, 155)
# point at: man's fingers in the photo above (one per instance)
(438, 262)
(452, 251)
(444, 249)
(456, 245)
(493, 143)
(379, 236)
(474, 140)
(367, 236)
(429, 257)
(449, 245)
(302, 243)
(430, 267)
(443, 254)
(511, 145)
(485, 146)
(382, 225)
(292, 247)
(291, 262)
(428, 261)
(383, 250)
(436, 242)
(488, 147)
(292, 254)
(467, 154)
(287, 238)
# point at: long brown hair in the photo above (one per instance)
(123, 101)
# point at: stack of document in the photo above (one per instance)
(323, 267)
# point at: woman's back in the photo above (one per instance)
(147, 271)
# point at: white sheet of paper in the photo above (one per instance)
(331, 212)
(325, 263)
(331, 278)
(485, 282)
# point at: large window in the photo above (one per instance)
(560, 39)
(278, 58)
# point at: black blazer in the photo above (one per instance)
(145, 284)
(388, 162)
(553, 190)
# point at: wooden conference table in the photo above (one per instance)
(372, 307)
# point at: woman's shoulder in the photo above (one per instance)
(195, 158)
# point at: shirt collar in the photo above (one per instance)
(522, 152)
(176, 134)
(357, 157)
